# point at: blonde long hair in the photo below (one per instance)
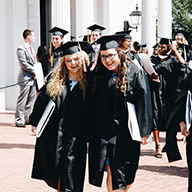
(59, 76)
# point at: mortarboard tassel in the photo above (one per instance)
(84, 65)
(88, 37)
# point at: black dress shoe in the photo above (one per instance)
(19, 125)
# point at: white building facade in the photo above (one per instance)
(74, 16)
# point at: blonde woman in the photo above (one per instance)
(60, 151)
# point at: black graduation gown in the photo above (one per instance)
(133, 55)
(46, 65)
(60, 152)
(177, 115)
(171, 75)
(111, 138)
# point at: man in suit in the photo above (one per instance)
(27, 94)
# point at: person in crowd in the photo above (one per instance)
(118, 87)
(143, 48)
(50, 59)
(126, 45)
(155, 51)
(136, 46)
(181, 116)
(41, 51)
(93, 49)
(182, 36)
(171, 71)
(27, 93)
(60, 151)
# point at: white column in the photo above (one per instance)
(80, 18)
(61, 15)
(14, 22)
(164, 18)
(148, 23)
(89, 12)
(33, 20)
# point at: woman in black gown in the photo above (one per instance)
(60, 152)
(115, 145)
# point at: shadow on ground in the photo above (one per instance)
(16, 145)
(168, 170)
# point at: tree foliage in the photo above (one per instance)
(182, 16)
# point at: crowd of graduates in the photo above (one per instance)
(109, 96)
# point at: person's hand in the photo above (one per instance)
(172, 48)
(183, 129)
(145, 140)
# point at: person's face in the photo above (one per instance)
(56, 40)
(163, 49)
(180, 52)
(110, 59)
(126, 44)
(72, 63)
(32, 38)
(144, 50)
(155, 51)
(95, 35)
(178, 39)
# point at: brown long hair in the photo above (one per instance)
(122, 71)
(51, 54)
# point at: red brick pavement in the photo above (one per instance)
(16, 157)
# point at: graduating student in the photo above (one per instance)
(126, 45)
(182, 37)
(93, 49)
(181, 116)
(60, 151)
(50, 59)
(155, 51)
(115, 145)
(143, 48)
(172, 71)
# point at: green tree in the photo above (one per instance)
(182, 16)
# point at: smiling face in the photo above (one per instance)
(72, 63)
(110, 59)
(56, 40)
(163, 49)
(95, 35)
(126, 44)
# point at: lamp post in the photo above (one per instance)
(136, 17)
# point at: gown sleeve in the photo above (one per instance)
(139, 95)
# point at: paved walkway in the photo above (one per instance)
(16, 157)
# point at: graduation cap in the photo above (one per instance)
(96, 27)
(85, 38)
(58, 31)
(155, 46)
(165, 41)
(109, 41)
(126, 34)
(143, 45)
(183, 33)
(72, 47)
